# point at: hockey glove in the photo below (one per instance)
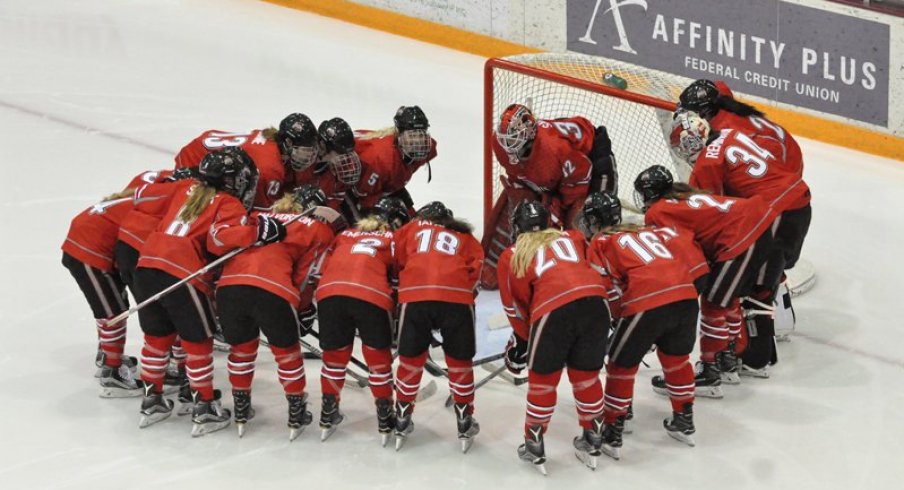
(516, 354)
(306, 320)
(270, 230)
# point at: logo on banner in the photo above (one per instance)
(614, 7)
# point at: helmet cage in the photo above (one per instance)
(517, 127)
(346, 167)
(414, 144)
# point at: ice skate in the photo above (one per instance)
(299, 416)
(119, 382)
(729, 366)
(385, 419)
(330, 416)
(681, 426)
(208, 415)
(708, 381)
(241, 404)
(404, 424)
(173, 380)
(612, 438)
(587, 446)
(467, 426)
(629, 420)
(154, 407)
(533, 450)
(100, 360)
(752, 372)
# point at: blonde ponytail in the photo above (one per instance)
(287, 204)
(379, 133)
(527, 245)
(119, 195)
(372, 223)
(198, 199)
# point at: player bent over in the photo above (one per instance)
(556, 305)
(207, 216)
(439, 264)
(656, 304)
(261, 290)
(355, 296)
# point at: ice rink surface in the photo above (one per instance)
(93, 92)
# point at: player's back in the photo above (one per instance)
(359, 265)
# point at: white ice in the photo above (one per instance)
(93, 92)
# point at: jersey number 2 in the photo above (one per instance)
(562, 248)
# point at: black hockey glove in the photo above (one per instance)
(270, 230)
(516, 354)
(306, 320)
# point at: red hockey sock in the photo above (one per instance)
(199, 367)
(679, 379)
(379, 368)
(713, 331)
(240, 364)
(461, 380)
(588, 395)
(111, 340)
(541, 399)
(619, 391)
(408, 377)
(290, 368)
(179, 354)
(154, 358)
(332, 373)
(734, 319)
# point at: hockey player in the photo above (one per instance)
(343, 165)
(556, 161)
(294, 146)
(756, 158)
(439, 263)
(88, 255)
(261, 290)
(655, 303)
(355, 295)
(556, 305)
(205, 217)
(735, 236)
(392, 156)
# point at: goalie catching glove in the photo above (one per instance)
(516, 354)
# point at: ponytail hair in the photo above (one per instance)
(379, 133)
(287, 204)
(199, 198)
(735, 106)
(269, 133)
(453, 224)
(526, 247)
(372, 223)
(119, 195)
(621, 228)
(682, 191)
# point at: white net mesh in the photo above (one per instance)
(638, 131)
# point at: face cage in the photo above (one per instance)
(346, 167)
(415, 144)
(302, 157)
(243, 186)
(516, 138)
(641, 202)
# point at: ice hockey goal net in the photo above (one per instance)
(557, 85)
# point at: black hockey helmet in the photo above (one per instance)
(391, 210)
(230, 170)
(309, 196)
(413, 136)
(651, 184)
(529, 216)
(434, 211)
(410, 117)
(700, 97)
(339, 143)
(298, 140)
(601, 209)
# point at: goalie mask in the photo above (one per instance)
(688, 136)
(601, 210)
(650, 185)
(413, 135)
(339, 145)
(298, 141)
(230, 170)
(517, 129)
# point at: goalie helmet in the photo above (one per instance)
(298, 141)
(700, 97)
(601, 210)
(230, 170)
(688, 135)
(517, 129)
(391, 210)
(413, 136)
(650, 185)
(309, 196)
(529, 216)
(434, 211)
(339, 144)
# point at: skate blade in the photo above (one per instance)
(754, 373)
(660, 391)
(731, 379)
(541, 466)
(612, 452)
(589, 460)
(116, 392)
(199, 430)
(399, 441)
(294, 432)
(629, 427)
(240, 428)
(709, 392)
(97, 372)
(466, 444)
(682, 437)
(151, 419)
(185, 409)
(326, 433)
(384, 439)
(449, 401)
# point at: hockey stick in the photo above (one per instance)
(506, 376)
(480, 383)
(203, 270)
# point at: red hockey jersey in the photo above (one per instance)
(436, 263)
(359, 264)
(180, 248)
(282, 268)
(386, 172)
(265, 153)
(724, 227)
(645, 266)
(93, 233)
(558, 274)
(745, 165)
(557, 166)
(142, 220)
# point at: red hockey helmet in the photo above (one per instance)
(517, 127)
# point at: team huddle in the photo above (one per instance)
(276, 230)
